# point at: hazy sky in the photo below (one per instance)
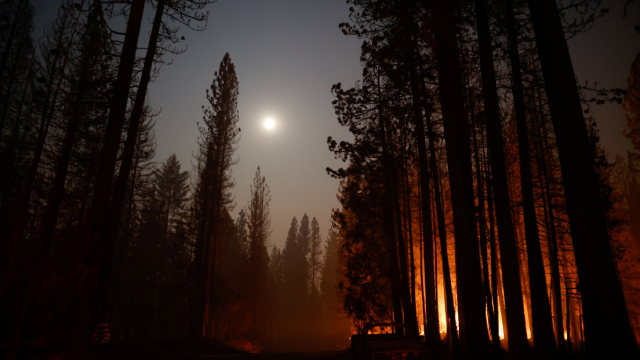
(287, 54)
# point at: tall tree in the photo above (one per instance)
(91, 78)
(259, 225)
(294, 285)
(173, 189)
(80, 335)
(457, 145)
(315, 252)
(304, 236)
(541, 310)
(607, 327)
(186, 12)
(57, 44)
(218, 142)
(509, 257)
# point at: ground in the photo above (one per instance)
(182, 351)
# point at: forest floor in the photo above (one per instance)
(182, 351)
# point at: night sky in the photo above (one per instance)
(287, 54)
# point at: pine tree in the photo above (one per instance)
(293, 290)
(91, 82)
(276, 301)
(518, 344)
(331, 305)
(173, 191)
(81, 330)
(315, 253)
(606, 322)
(314, 308)
(218, 141)
(259, 226)
(304, 236)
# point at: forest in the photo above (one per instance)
(477, 204)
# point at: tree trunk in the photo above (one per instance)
(493, 317)
(452, 323)
(25, 195)
(394, 269)
(607, 327)
(56, 194)
(99, 253)
(432, 332)
(568, 300)
(456, 130)
(110, 235)
(494, 251)
(541, 310)
(518, 343)
(24, 199)
(552, 244)
(409, 309)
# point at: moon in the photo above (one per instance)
(269, 124)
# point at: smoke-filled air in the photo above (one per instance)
(330, 180)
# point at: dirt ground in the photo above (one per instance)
(182, 351)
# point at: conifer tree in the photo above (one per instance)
(218, 141)
(331, 305)
(97, 257)
(315, 252)
(276, 301)
(304, 236)
(606, 321)
(292, 288)
(173, 191)
(162, 34)
(509, 257)
(259, 226)
(91, 81)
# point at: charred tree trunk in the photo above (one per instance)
(452, 323)
(568, 301)
(456, 131)
(394, 270)
(196, 321)
(493, 317)
(408, 308)
(518, 343)
(56, 194)
(552, 243)
(432, 332)
(442, 231)
(24, 199)
(541, 311)
(494, 251)
(99, 252)
(110, 235)
(607, 327)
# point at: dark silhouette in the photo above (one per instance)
(473, 169)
